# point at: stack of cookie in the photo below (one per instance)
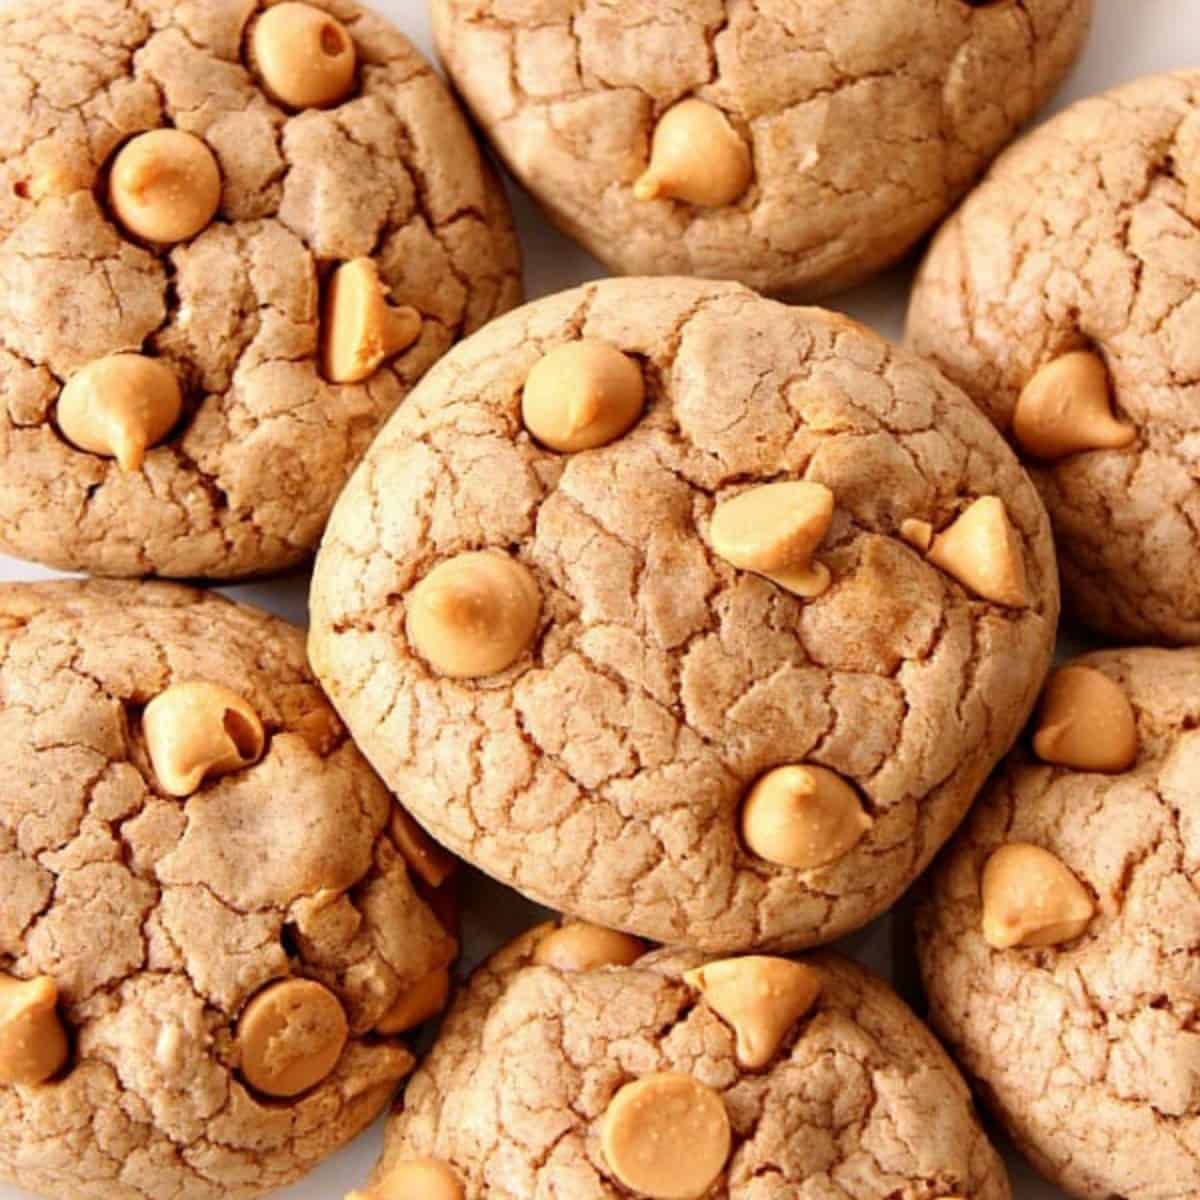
(697, 617)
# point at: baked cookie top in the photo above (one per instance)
(206, 920)
(1062, 298)
(182, 185)
(726, 678)
(797, 147)
(1058, 939)
(557, 1075)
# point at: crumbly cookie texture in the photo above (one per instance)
(1086, 237)
(603, 771)
(858, 1099)
(1087, 1050)
(865, 121)
(160, 919)
(246, 480)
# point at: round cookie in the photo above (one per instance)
(753, 613)
(592, 1082)
(1058, 938)
(1062, 298)
(797, 147)
(191, 406)
(206, 917)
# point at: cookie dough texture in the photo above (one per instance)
(247, 481)
(866, 120)
(1081, 238)
(159, 919)
(603, 773)
(1087, 1052)
(859, 1100)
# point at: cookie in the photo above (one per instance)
(209, 938)
(674, 1076)
(233, 235)
(726, 669)
(797, 147)
(1062, 298)
(1058, 939)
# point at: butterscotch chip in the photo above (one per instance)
(1086, 722)
(475, 614)
(1064, 409)
(199, 730)
(696, 156)
(290, 1037)
(423, 855)
(803, 817)
(762, 998)
(583, 947)
(119, 407)
(179, 210)
(165, 186)
(159, 923)
(1031, 898)
(305, 55)
(984, 553)
(33, 1042)
(667, 1136)
(362, 330)
(419, 1179)
(415, 1006)
(582, 395)
(774, 529)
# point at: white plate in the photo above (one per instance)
(1130, 39)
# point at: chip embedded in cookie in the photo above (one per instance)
(211, 932)
(233, 236)
(631, 1078)
(688, 677)
(798, 147)
(1060, 931)
(1062, 297)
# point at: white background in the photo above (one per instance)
(1131, 38)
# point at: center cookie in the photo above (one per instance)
(214, 922)
(796, 145)
(563, 1071)
(687, 612)
(232, 237)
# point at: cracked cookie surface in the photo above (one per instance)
(1088, 1051)
(603, 771)
(858, 1101)
(1086, 235)
(246, 480)
(866, 121)
(159, 919)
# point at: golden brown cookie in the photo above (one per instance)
(694, 681)
(233, 236)
(799, 147)
(1060, 932)
(630, 1080)
(1062, 299)
(192, 978)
